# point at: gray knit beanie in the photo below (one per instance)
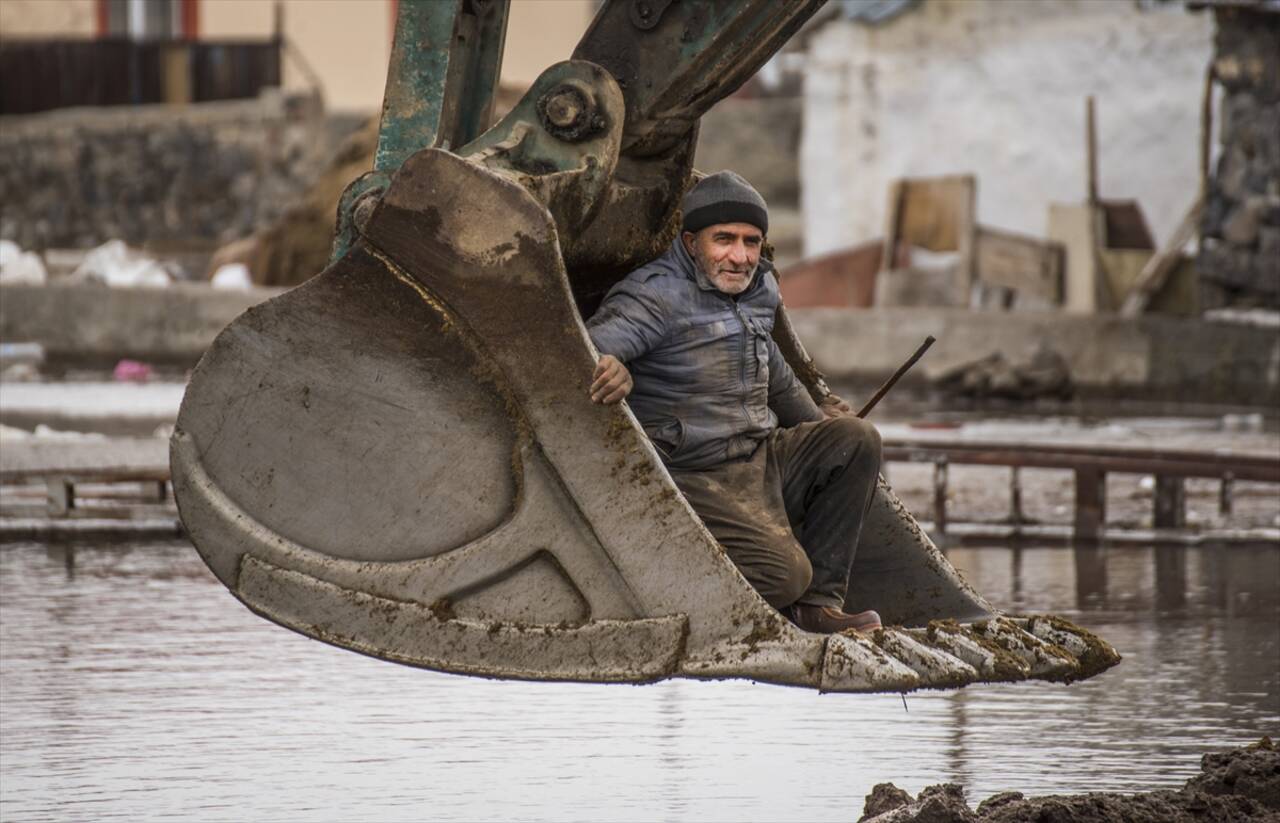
(723, 197)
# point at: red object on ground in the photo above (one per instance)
(131, 371)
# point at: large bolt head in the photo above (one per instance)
(564, 108)
(568, 112)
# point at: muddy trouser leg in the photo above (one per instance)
(828, 473)
(741, 504)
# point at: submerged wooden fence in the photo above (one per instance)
(125, 478)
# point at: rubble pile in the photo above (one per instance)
(1240, 785)
(1045, 375)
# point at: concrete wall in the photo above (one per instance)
(48, 18)
(96, 325)
(1152, 358)
(997, 89)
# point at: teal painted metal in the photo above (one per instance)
(441, 83)
(416, 74)
(442, 76)
(345, 232)
(475, 62)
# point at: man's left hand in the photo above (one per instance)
(833, 405)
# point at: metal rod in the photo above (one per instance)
(883, 390)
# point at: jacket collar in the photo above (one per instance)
(680, 257)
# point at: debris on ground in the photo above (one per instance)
(231, 276)
(1239, 785)
(115, 264)
(131, 371)
(20, 267)
(1045, 375)
(20, 361)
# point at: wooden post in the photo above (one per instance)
(61, 495)
(162, 491)
(1091, 504)
(1015, 496)
(940, 495)
(1225, 494)
(1091, 151)
(1170, 502)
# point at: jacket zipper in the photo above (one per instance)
(742, 360)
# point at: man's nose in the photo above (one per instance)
(738, 254)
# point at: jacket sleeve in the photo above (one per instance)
(788, 397)
(630, 322)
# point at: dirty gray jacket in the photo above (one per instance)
(710, 383)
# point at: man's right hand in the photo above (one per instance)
(612, 381)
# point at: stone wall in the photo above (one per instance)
(164, 177)
(1239, 258)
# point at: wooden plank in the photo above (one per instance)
(1030, 266)
(1090, 152)
(937, 214)
(1155, 274)
(1075, 228)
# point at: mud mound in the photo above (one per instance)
(1240, 785)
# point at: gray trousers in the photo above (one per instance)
(789, 515)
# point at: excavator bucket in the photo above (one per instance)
(400, 456)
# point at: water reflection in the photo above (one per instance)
(1091, 577)
(132, 684)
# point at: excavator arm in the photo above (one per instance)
(399, 457)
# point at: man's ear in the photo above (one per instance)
(687, 238)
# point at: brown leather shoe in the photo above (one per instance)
(828, 619)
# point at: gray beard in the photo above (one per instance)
(707, 267)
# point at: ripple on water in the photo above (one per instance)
(134, 685)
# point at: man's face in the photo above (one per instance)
(727, 253)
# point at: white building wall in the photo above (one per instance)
(997, 89)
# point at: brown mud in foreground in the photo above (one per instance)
(1243, 784)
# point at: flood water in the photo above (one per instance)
(133, 685)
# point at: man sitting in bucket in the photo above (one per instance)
(783, 485)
